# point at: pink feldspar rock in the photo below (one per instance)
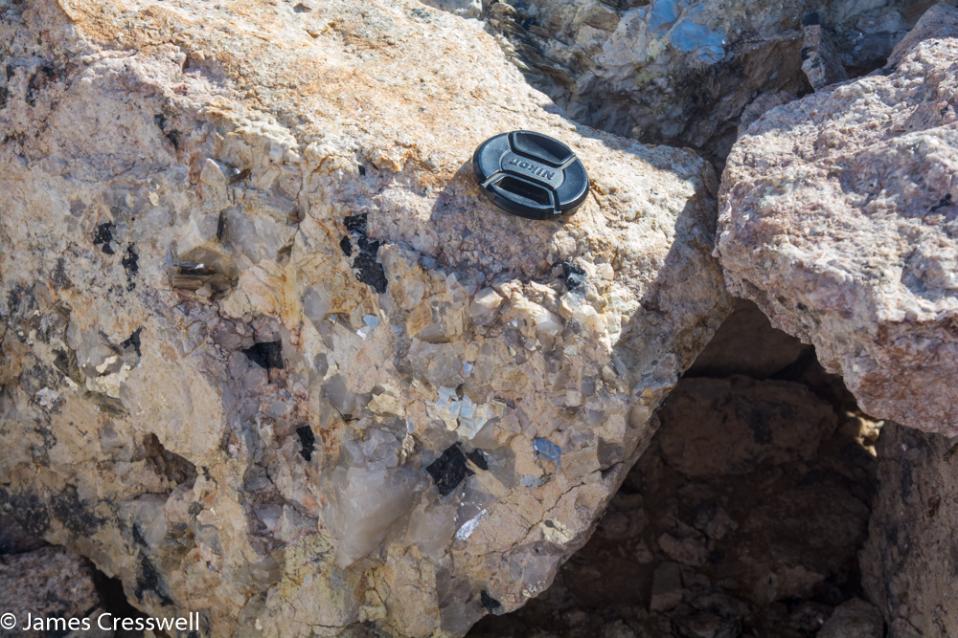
(839, 218)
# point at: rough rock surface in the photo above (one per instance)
(683, 71)
(839, 218)
(267, 353)
(46, 583)
(14, 539)
(910, 560)
(743, 518)
(821, 61)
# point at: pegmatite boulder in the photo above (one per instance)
(269, 356)
(684, 71)
(838, 217)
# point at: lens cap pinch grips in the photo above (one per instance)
(530, 174)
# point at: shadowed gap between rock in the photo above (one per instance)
(744, 517)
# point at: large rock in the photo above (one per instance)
(683, 71)
(839, 218)
(50, 592)
(269, 356)
(910, 560)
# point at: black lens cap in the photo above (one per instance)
(530, 174)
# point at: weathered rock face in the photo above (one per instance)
(910, 561)
(839, 219)
(683, 71)
(267, 354)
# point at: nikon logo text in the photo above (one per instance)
(523, 166)
(529, 167)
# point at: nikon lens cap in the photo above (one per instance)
(530, 174)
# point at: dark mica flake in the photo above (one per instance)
(346, 246)
(944, 202)
(449, 470)
(103, 235)
(365, 264)
(356, 224)
(488, 602)
(148, 579)
(131, 263)
(307, 441)
(74, 513)
(38, 81)
(811, 19)
(266, 354)
(239, 175)
(172, 135)
(573, 276)
(478, 459)
(133, 341)
(60, 278)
